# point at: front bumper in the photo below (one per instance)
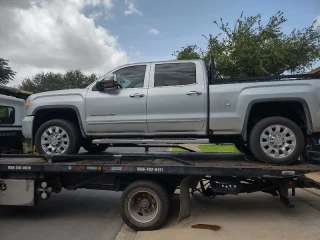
(27, 124)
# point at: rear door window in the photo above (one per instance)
(173, 74)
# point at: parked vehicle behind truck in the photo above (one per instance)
(178, 102)
(12, 112)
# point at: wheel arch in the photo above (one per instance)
(307, 115)
(44, 113)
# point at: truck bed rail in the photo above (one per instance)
(265, 78)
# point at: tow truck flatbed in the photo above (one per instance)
(160, 163)
(151, 177)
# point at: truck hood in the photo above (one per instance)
(59, 93)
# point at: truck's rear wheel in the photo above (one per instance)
(276, 140)
(93, 148)
(144, 205)
(57, 137)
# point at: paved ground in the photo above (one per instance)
(80, 214)
(70, 215)
(247, 216)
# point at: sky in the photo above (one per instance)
(99, 35)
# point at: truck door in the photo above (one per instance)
(12, 111)
(176, 98)
(122, 110)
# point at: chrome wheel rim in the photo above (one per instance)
(278, 141)
(54, 140)
(143, 206)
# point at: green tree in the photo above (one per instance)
(6, 74)
(50, 81)
(250, 48)
(189, 52)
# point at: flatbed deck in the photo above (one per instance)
(26, 178)
(156, 163)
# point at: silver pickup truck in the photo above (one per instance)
(178, 102)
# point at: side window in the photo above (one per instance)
(7, 115)
(131, 77)
(171, 74)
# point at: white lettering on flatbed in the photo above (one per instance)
(19, 168)
(116, 168)
(149, 169)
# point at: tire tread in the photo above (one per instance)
(255, 145)
(76, 143)
(163, 195)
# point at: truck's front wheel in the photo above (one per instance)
(276, 140)
(58, 137)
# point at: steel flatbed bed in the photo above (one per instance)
(158, 163)
(151, 177)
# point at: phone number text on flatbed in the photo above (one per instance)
(149, 169)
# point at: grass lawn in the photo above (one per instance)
(175, 149)
(211, 148)
(218, 148)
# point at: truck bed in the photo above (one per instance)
(154, 163)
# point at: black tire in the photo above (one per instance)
(243, 148)
(71, 129)
(259, 153)
(93, 148)
(162, 199)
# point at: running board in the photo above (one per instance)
(151, 141)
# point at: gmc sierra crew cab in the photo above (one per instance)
(178, 102)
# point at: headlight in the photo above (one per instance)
(28, 103)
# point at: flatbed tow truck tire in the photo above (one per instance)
(144, 205)
(276, 140)
(61, 130)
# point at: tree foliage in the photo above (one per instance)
(189, 52)
(6, 74)
(250, 48)
(50, 81)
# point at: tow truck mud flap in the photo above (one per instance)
(16, 192)
(185, 199)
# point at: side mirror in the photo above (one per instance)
(109, 82)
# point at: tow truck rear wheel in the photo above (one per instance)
(93, 148)
(144, 205)
(276, 140)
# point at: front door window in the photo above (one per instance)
(131, 77)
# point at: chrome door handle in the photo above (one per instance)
(136, 95)
(194, 93)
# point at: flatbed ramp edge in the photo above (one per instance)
(210, 174)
